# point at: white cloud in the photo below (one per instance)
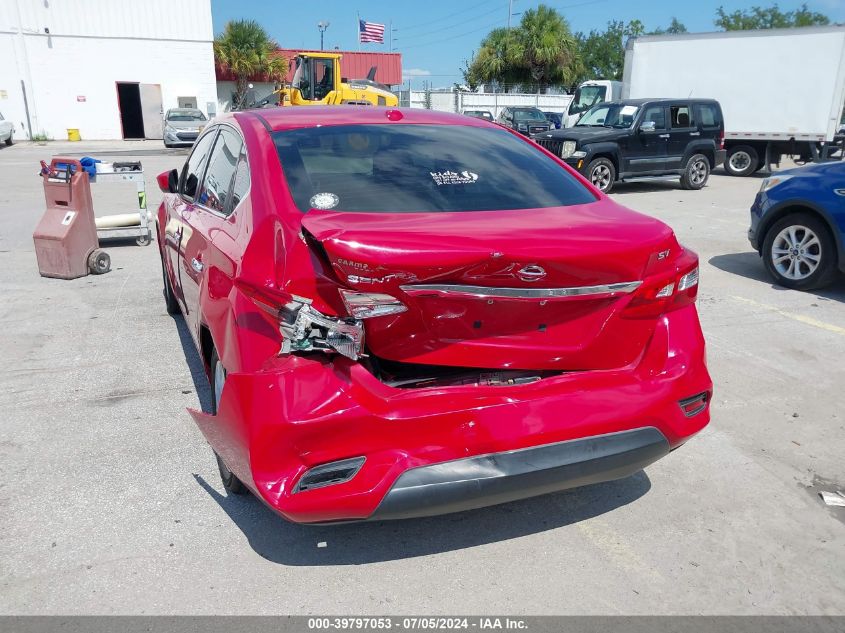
(415, 72)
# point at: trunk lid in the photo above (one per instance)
(531, 289)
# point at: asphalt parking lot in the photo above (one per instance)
(112, 504)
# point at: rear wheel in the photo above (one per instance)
(697, 172)
(799, 252)
(9, 140)
(218, 377)
(602, 174)
(741, 160)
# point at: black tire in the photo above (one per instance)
(697, 172)
(144, 240)
(822, 249)
(10, 140)
(231, 483)
(170, 300)
(99, 262)
(741, 160)
(602, 174)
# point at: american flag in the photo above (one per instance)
(370, 32)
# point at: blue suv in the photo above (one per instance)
(798, 225)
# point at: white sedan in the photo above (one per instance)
(7, 128)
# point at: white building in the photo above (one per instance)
(108, 68)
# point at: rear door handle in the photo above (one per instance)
(695, 133)
(663, 136)
(197, 265)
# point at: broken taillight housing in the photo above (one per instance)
(305, 329)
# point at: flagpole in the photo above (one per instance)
(358, 29)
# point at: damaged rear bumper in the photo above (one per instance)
(442, 449)
(476, 482)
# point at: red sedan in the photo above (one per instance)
(405, 313)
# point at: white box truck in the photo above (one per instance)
(781, 90)
(588, 94)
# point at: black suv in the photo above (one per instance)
(526, 121)
(640, 138)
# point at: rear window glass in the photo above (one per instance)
(421, 168)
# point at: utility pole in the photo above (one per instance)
(322, 26)
(391, 38)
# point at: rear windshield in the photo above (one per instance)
(421, 168)
(529, 115)
(186, 116)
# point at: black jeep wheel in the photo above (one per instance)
(697, 173)
(602, 174)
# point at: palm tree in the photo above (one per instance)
(245, 50)
(545, 47)
(494, 61)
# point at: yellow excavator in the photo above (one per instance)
(317, 81)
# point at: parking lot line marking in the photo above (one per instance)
(795, 317)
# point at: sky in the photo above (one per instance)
(436, 36)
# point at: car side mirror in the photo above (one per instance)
(648, 126)
(168, 181)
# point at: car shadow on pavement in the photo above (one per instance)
(647, 186)
(195, 364)
(279, 541)
(750, 266)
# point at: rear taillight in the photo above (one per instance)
(721, 139)
(666, 292)
(367, 305)
(305, 329)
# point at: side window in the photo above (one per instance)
(323, 82)
(708, 115)
(240, 184)
(656, 113)
(194, 166)
(680, 116)
(221, 171)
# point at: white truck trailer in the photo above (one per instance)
(781, 90)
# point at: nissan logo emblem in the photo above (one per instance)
(532, 272)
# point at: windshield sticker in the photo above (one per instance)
(453, 178)
(628, 109)
(324, 201)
